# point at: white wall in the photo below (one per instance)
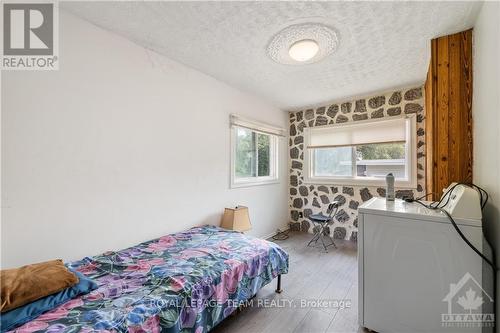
(120, 146)
(486, 119)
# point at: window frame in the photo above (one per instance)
(273, 177)
(410, 161)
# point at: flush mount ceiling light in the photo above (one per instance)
(303, 50)
(303, 44)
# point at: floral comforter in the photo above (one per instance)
(184, 282)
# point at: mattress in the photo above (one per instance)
(184, 282)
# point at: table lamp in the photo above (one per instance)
(236, 219)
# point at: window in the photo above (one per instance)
(362, 153)
(254, 153)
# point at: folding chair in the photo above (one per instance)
(320, 222)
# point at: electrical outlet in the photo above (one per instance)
(301, 215)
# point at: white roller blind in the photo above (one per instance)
(360, 133)
(239, 121)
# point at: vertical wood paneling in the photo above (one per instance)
(454, 107)
(442, 91)
(466, 60)
(448, 112)
(429, 122)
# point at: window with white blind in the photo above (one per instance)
(362, 152)
(254, 152)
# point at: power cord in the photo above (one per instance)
(438, 205)
(281, 235)
(464, 238)
(483, 200)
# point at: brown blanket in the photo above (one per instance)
(26, 284)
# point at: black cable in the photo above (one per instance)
(483, 204)
(481, 190)
(462, 235)
(438, 206)
(424, 196)
(446, 195)
(281, 235)
(467, 241)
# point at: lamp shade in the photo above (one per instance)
(236, 219)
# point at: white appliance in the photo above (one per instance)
(416, 272)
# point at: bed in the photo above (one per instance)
(184, 282)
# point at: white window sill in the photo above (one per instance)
(359, 182)
(250, 183)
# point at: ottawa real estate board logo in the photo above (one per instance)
(30, 36)
(469, 305)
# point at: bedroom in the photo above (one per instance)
(127, 122)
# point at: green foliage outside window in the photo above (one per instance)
(251, 149)
(263, 151)
(245, 153)
(339, 161)
(381, 151)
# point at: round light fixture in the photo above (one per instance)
(303, 50)
(304, 43)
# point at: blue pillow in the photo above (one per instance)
(21, 315)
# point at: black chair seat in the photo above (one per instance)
(320, 218)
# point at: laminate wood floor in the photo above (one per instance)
(314, 276)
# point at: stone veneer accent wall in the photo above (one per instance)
(311, 199)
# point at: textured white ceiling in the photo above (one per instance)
(383, 45)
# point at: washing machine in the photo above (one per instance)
(416, 274)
